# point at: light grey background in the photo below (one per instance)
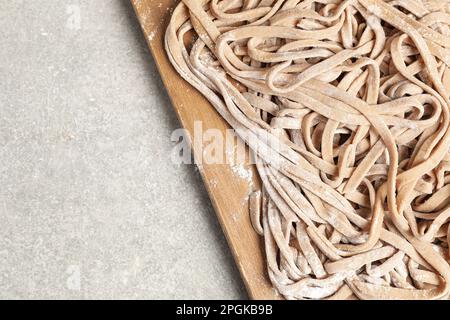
(90, 204)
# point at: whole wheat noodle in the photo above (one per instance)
(355, 95)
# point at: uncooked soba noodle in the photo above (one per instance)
(345, 104)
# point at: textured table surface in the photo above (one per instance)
(90, 204)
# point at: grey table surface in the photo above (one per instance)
(91, 206)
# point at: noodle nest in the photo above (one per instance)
(345, 105)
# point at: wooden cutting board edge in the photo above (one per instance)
(226, 190)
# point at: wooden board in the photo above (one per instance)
(227, 186)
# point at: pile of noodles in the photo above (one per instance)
(346, 106)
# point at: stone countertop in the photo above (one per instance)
(91, 206)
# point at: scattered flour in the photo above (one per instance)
(146, 11)
(213, 183)
(242, 172)
(236, 216)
